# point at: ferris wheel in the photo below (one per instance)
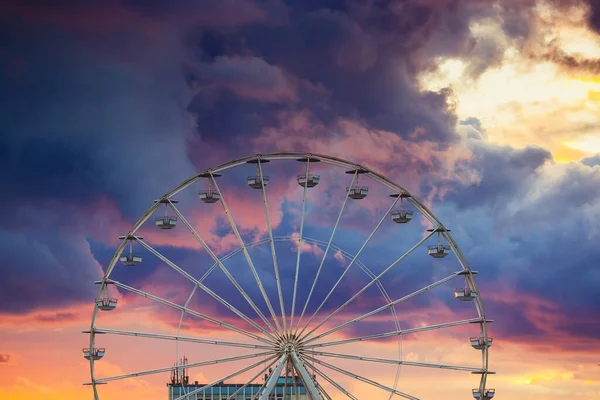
(317, 277)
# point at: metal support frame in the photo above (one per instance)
(290, 355)
(271, 341)
(309, 384)
(272, 381)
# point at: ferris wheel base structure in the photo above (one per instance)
(282, 340)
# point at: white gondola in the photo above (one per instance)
(438, 250)
(487, 395)
(464, 294)
(107, 303)
(402, 216)
(94, 354)
(165, 222)
(130, 259)
(313, 180)
(357, 192)
(255, 182)
(479, 343)
(210, 196)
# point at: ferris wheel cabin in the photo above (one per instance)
(259, 180)
(255, 182)
(402, 216)
(94, 354)
(357, 192)
(107, 303)
(210, 196)
(480, 343)
(312, 181)
(438, 250)
(487, 395)
(165, 221)
(130, 259)
(464, 294)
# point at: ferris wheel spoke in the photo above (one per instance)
(299, 244)
(187, 302)
(180, 338)
(260, 389)
(396, 362)
(337, 222)
(322, 390)
(346, 270)
(384, 307)
(373, 281)
(332, 382)
(232, 396)
(223, 268)
(272, 242)
(204, 288)
(397, 333)
(221, 380)
(191, 312)
(363, 379)
(169, 369)
(247, 255)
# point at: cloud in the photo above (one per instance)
(250, 78)
(516, 237)
(591, 161)
(81, 131)
(46, 271)
(97, 124)
(349, 63)
(503, 171)
(4, 358)
(57, 317)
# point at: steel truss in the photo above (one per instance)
(285, 341)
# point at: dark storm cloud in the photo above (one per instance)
(73, 126)
(100, 111)
(503, 172)
(44, 270)
(86, 117)
(591, 161)
(360, 58)
(534, 243)
(595, 14)
(572, 63)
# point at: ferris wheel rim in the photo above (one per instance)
(335, 161)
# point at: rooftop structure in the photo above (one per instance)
(181, 385)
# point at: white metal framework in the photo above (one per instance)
(291, 332)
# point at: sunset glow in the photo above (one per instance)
(486, 112)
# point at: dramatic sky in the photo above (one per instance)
(487, 111)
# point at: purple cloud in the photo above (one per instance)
(103, 112)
